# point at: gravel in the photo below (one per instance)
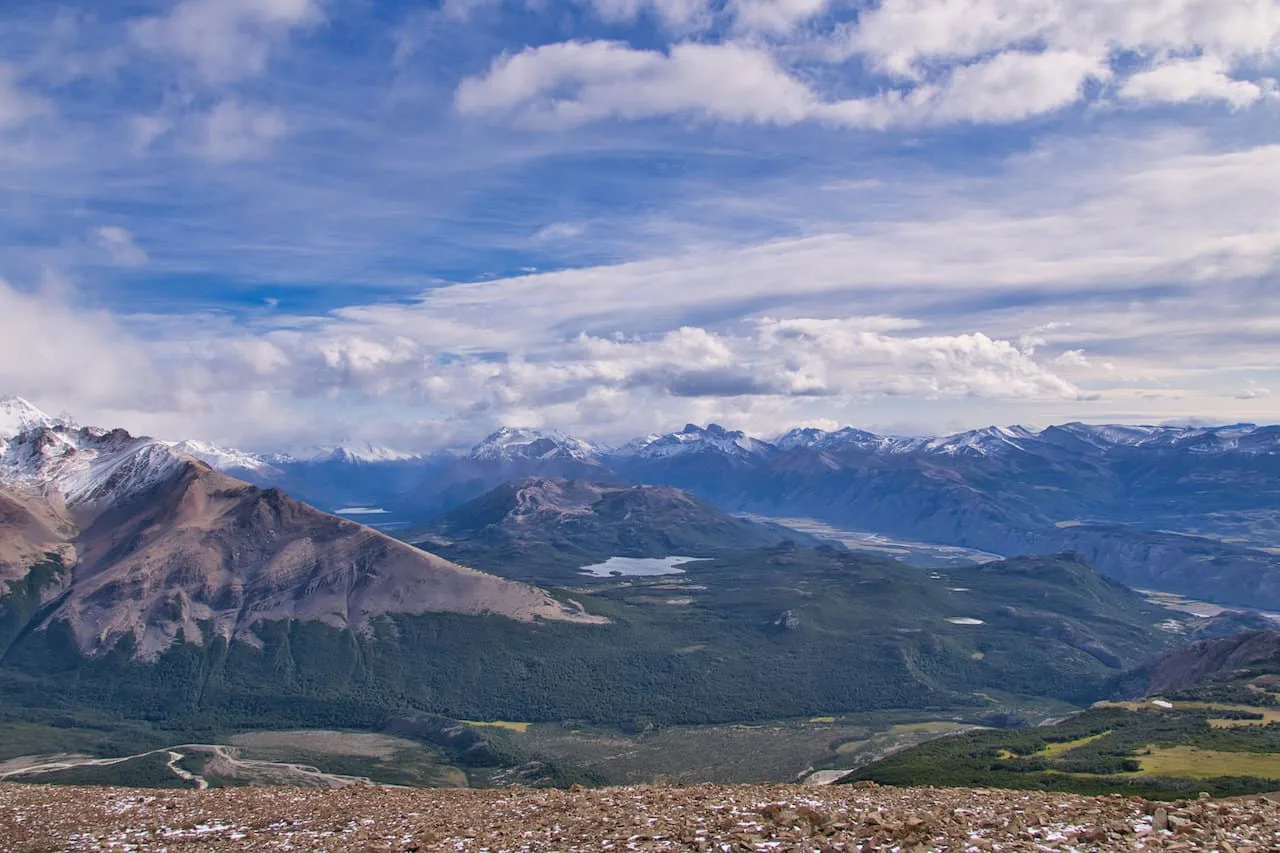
(703, 818)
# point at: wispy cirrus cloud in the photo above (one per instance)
(970, 301)
(16, 103)
(295, 221)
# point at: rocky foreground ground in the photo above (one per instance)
(718, 818)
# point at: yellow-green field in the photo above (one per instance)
(1188, 762)
(851, 746)
(1053, 750)
(939, 727)
(500, 724)
(1268, 714)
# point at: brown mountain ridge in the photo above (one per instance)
(156, 544)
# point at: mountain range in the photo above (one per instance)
(1191, 510)
(143, 592)
(130, 563)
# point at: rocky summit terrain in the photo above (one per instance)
(744, 818)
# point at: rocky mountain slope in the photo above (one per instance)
(747, 818)
(135, 539)
(1217, 660)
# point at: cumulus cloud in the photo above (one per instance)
(52, 350)
(225, 40)
(981, 61)
(1204, 78)
(66, 354)
(1072, 358)
(903, 37)
(576, 82)
(1014, 85)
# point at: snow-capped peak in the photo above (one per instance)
(18, 415)
(696, 439)
(513, 443)
(359, 452)
(981, 442)
(634, 446)
(222, 458)
(820, 439)
(801, 437)
(86, 464)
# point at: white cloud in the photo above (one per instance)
(559, 231)
(981, 61)
(232, 131)
(1014, 85)
(119, 247)
(225, 40)
(575, 82)
(1178, 81)
(51, 350)
(145, 130)
(775, 16)
(1073, 359)
(675, 14)
(903, 37)
(1253, 391)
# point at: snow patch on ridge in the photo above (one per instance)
(222, 458)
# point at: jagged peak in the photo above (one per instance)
(711, 438)
(528, 443)
(18, 414)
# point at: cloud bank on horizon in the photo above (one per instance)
(282, 222)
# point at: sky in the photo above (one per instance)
(275, 224)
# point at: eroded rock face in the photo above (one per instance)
(1212, 660)
(748, 818)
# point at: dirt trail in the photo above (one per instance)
(185, 775)
(226, 759)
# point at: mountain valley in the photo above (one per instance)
(156, 606)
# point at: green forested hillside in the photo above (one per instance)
(1222, 737)
(766, 634)
(544, 530)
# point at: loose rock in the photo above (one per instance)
(754, 818)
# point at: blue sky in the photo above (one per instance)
(276, 223)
